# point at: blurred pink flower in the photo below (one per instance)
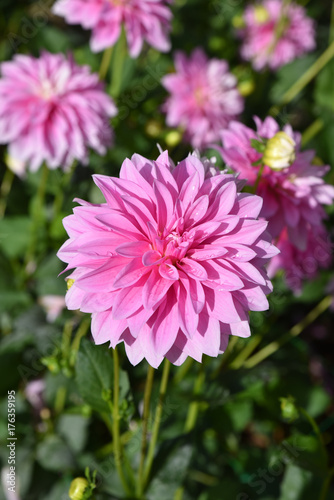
(171, 263)
(203, 97)
(275, 33)
(52, 110)
(34, 393)
(293, 197)
(53, 306)
(299, 265)
(143, 20)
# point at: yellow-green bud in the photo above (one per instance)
(279, 152)
(77, 488)
(261, 15)
(246, 87)
(70, 283)
(173, 138)
(289, 409)
(238, 22)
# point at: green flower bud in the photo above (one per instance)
(77, 488)
(289, 409)
(279, 152)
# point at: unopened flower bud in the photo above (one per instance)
(289, 409)
(261, 14)
(77, 488)
(279, 152)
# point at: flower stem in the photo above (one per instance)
(258, 178)
(305, 79)
(37, 216)
(312, 131)
(326, 485)
(294, 332)
(65, 181)
(115, 424)
(194, 406)
(5, 188)
(146, 413)
(317, 432)
(250, 346)
(105, 63)
(157, 422)
(118, 64)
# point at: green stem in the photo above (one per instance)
(81, 332)
(183, 370)
(146, 413)
(305, 79)
(65, 181)
(115, 425)
(258, 178)
(294, 332)
(6, 186)
(317, 432)
(194, 406)
(250, 346)
(326, 485)
(105, 63)
(157, 422)
(312, 131)
(117, 65)
(37, 215)
(226, 356)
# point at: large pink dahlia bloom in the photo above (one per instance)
(52, 111)
(171, 263)
(142, 19)
(275, 33)
(203, 97)
(293, 197)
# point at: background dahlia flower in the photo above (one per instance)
(52, 111)
(293, 197)
(171, 263)
(203, 97)
(142, 19)
(275, 33)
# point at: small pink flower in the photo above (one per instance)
(293, 197)
(52, 111)
(142, 19)
(299, 265)
(203, 97)
(53, 306)
(275, 33)
(171, 263)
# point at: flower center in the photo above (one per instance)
(261, 14)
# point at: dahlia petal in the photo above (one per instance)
(132, 249)
(130, 273)
(193, 269)
(101, 279)
(168, 271)
(133, 348)
(154, 289)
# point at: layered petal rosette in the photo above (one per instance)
(275, 33)
(203, 97)
(171, 263)
(52, 111)
(293, 196)
(143, 20)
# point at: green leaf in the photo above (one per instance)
(171, 472)
(324, 89)
(308, 453)
(296, 484)
(288, 75)
(53, 454)
(15, 235)
(73, 428)
(94, 370)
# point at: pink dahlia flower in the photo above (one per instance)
(203, 97)
(293, 197)
(275, 33)
(142, 19)
(52, 111)
(299, 265)
(171, 263)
